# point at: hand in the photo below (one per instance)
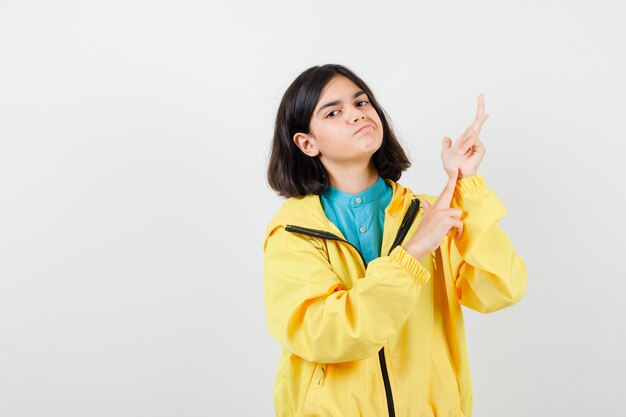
(468, 151)
(439, 219)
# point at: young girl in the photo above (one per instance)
(364, 280)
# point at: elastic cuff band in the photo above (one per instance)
(471, 183)
(412, 265)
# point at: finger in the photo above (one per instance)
(445, 197)
(460, 139)
(478, 144)
(426, 204)
(456, 229)
(478, 124)
(453, 212)
(459, 227)
(446, 143)
(480, 114)
(468, 142)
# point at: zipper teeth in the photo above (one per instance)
(406, 222)
(324, 235)
(402, 231)
(386, 382)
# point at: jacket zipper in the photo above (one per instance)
(402, 231)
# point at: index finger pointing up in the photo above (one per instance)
(480, 114)
(445, 198)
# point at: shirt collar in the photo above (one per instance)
(373, 193)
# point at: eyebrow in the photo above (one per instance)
(334, 103)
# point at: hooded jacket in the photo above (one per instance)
(385, 338)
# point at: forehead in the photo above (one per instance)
(338, 88)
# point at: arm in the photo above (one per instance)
(310, 313)
(488, 274)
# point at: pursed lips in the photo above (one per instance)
(365, 126)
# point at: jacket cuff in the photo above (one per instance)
(410, 264)
(469, 184)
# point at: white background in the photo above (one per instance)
(134, 138)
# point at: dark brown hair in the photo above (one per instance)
(290, 172)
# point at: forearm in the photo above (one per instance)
(313, 316)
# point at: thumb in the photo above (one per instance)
(446, 143)
(426, 204)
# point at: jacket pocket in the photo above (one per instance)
(317, 380)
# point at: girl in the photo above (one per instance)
(363, 279)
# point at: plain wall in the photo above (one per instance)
(134, 138)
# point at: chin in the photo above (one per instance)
(373, 143)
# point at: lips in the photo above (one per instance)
(365, 126)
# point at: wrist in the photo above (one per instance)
(415, 250)
(469, 174)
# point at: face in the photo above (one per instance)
(335, 128)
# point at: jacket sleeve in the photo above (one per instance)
(488, 274)
(312, 315)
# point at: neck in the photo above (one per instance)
(352, 179)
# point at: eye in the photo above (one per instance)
(365, 103)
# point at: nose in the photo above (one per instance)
(356, 114)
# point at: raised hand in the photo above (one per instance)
(468, 151)
(439, 219)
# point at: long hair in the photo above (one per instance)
(290, 172)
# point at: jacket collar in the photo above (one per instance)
(307, 211)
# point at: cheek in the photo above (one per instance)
(376, 118)
(334, 138)
(338, 132)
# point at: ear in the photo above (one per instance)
(306, 143)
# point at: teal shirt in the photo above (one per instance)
(360, 217)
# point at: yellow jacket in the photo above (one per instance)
(386, 338)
